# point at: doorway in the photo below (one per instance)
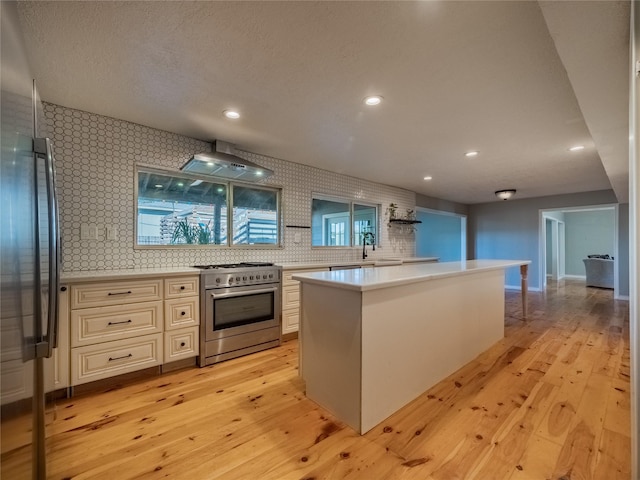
(569, 235)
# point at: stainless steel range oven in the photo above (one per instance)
(239, 310)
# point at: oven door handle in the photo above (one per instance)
(244, 293)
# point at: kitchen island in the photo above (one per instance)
(372, 340)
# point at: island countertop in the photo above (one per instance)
(376, 278)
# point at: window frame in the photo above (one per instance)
(350, 202)
(229, 184)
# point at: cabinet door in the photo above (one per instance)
(102, 324)
(181, 312)
(115, 293)
(181, 286)
(103, 360)
(290, 320)
(180, 344)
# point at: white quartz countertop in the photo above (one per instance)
(125, 274)
(375, 278)
(132, 273)
(379, 261)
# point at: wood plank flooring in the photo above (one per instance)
(549, 401)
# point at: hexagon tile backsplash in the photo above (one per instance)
(96, 158)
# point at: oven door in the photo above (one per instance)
(233, 311)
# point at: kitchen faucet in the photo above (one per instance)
(371, 238)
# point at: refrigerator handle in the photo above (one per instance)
(42, 146)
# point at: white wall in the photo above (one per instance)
(586, 233)
(96, 158)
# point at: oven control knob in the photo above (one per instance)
(244, 278)
(251, 277)
(237, 279)
(264, 276)
(217, 280)
(271, 275)
(230, 279)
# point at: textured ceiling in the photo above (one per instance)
(455, 76)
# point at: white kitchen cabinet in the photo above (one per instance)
(120, 326)
(181, 318)
(116, 327)
(106, 359)
(180, 344)
(291, 298)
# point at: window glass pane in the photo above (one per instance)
(176, 210)
(364, 221)
(330, 223)
(255, 216)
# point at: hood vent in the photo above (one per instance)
(222, 163)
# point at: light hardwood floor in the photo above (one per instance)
(549, 401)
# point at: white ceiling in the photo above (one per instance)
(519, 81)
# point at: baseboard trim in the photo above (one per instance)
(519, 288)
(624, 298)
(576, 277)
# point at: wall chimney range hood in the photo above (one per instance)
(222, 162)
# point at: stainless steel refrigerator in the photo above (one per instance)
(29, 260)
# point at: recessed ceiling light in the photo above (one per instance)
(428, 178)
(209, 164)
(231, 114)
(158, 186)
(472, 153)
(180, 184)
(576, 148)
(373, 100)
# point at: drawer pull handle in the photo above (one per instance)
(120, 293)
(183, 313)
(118, 323)
(182, 344)
(182, 287)
(120, 358)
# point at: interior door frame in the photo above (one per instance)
(542, 239)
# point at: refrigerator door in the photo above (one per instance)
(29, 260)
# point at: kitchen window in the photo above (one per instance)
(176, 209)
(337, 222)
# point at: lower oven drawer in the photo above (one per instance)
(95, 362)
(238, 342)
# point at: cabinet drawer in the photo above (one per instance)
(287, 274)
(101, 324)
(181, 312)
(181, 286)
(181, 343)
(115, 293)
(290, 320)
(95, 362)
(290, 297)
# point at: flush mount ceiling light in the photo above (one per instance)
(576, 148)
(373, 100)
(505, 194)
(428, 178)
(232, 114)
(472, 153)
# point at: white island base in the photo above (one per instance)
(370, 346)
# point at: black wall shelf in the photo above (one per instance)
(403, 221)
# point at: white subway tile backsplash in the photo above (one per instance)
(96, 158)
